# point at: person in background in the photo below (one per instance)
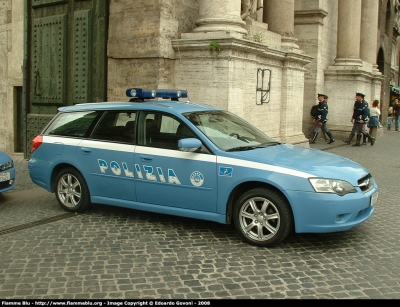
(373, 122)
(326, 98)
(389, 119)
(396, 113)
(359, 119)
(321, 119)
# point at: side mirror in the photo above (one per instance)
(189, 144)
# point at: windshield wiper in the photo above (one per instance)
(269, 144)
(242, 148)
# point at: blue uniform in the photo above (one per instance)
(322, 118)
(322, 111)
(360, 113)
(360, 119)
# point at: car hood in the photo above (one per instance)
(312, 161)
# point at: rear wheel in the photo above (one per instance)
(72, 192)
(262, 217)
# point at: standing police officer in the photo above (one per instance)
(359, 119)
(321, 119)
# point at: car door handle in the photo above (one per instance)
(146, 158)
(86, 151)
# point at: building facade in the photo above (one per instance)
(263, 60)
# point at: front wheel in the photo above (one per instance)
(262, 217)
(72, 192)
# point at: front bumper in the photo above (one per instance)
(323, 213)
(8, 184)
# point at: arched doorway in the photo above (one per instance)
(381, 61)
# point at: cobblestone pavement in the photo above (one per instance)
(114, 253)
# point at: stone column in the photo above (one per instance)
(369, 32)
(348, 36)
(279, 15)
(220, 15)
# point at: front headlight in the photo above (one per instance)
(339, 187)
(5, 166)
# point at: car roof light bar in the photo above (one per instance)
(140, 94)
(173, 94)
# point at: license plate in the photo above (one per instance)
(4, 176)
(374, 199)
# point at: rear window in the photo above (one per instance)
(76, 124)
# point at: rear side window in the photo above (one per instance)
(75, 124)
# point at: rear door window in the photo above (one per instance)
(116, 126)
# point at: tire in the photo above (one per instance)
(262, 217)
(72, 192)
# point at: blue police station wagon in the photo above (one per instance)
(159, 154)
(7, 172)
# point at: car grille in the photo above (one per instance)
(5, 184)
(366, 183)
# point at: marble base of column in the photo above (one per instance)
(289, 43)
(220, 24)
(376, 70)
(348, 62)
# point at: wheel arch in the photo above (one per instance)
(246, 186)
(56, 171)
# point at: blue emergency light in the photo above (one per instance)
(140, 94)
(173, 94)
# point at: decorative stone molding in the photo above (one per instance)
(309, 17)
(227, 43)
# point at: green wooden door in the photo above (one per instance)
(66, 50)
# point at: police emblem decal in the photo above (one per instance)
(225, 171)
(197, 179)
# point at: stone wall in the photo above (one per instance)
(10, 73)
(316, 31)
(316, 27)
(139, 47)
(228, 79)
(165, 53)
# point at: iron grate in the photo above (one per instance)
(36, 223)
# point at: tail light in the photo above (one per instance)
(37, 141)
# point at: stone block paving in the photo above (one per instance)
(117, 253)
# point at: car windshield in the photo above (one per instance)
(228, 131)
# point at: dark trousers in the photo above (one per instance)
(325, 129)
(359, 128)
(316, 128)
